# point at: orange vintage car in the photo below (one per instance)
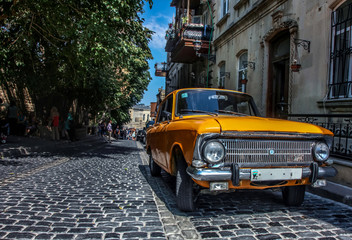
(216, 139)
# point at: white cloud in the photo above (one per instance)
(159, 25)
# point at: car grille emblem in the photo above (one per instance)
(271, 151)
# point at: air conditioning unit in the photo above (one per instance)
(197, 19)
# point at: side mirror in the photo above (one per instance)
(166, 115)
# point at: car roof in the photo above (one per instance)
(214, 89)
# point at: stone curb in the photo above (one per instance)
(334, 191)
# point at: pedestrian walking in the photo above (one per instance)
(54, 123)
(134, 135)
(70, 127)
(109, 129)
(102, 128)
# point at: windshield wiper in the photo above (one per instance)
(231, 112)
(198, 111)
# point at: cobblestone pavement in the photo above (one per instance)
(250, 215)
(97, 195)
(108, 193)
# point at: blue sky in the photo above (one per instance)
(157, 20)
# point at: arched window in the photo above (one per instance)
(222, 75)
(242, 70)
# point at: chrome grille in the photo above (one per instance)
(267, 151)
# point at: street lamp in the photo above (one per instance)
(197, 45)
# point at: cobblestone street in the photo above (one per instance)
(107, 193)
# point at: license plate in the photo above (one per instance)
(269, 174)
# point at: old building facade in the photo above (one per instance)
(258, 44)
(293, 57)
(140, 115)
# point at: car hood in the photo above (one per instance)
(258, 124)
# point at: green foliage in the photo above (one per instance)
(93, 53)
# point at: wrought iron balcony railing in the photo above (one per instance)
(339, 124)
(188, 33)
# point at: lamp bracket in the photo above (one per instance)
(249, 64)
(302, 43)
(209, 57)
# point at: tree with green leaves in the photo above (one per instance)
(75, 54)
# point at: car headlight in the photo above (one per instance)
(213, 152)
(321, 151)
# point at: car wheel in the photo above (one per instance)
(155, 169)
(293, 195)
(184, 187)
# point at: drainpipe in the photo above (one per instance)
(188, 6)
(210, 39)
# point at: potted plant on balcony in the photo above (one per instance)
(184, 20)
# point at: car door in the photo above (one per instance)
(166, 141)
(158, 133)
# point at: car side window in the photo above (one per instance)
(160, 109)
(168, 107)
(165, 110)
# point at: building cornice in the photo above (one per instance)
(259, 10)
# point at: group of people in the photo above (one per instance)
(61, 128)
(109, 129)
(130, 134)
(20, 124)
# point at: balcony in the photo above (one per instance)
(160, 69)
(192, 3)
(180, 42)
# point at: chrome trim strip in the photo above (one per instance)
(212, 174)
(271, 135)
(209, 174)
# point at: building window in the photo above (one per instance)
(202, 79)
(222, 75)
(242, 71)
(341, 52)
(224, 7)
(205, 18)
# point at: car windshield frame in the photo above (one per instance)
(213, 103)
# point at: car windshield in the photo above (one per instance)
(214, 102)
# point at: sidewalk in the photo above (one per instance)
(19, 146)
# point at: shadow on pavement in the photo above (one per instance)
(11, 163)
(241, 205)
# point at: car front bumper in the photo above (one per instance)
(235, 174)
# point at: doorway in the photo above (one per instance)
(278, 85)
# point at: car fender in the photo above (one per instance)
(176, 149)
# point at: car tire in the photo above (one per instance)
(155, 169)
(184, 187)
(293, 195)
